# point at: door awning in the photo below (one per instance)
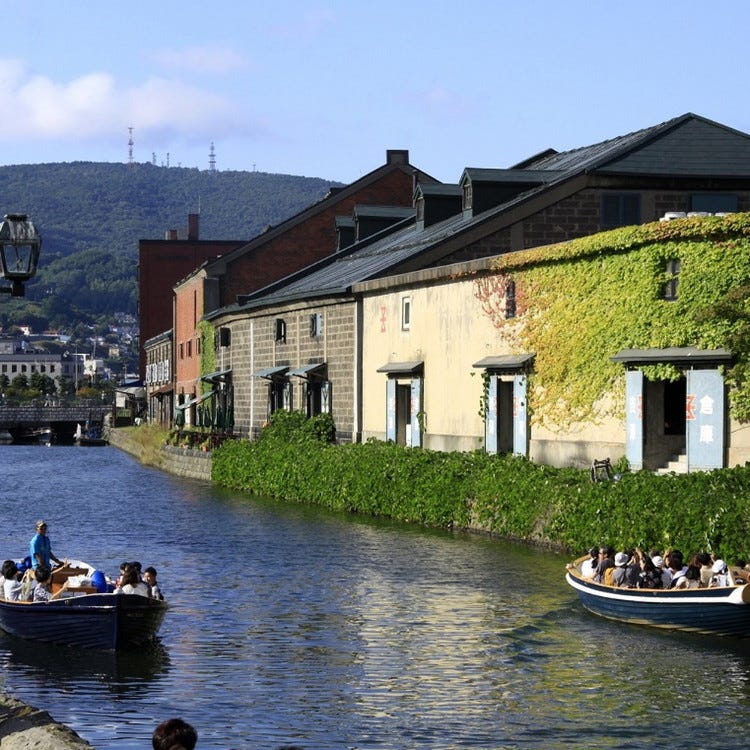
(271, 372)
(309, 371)
(402, 368)
(196, 400)
(214, 377)
(505, 362)
(162, 390)
(676, 355)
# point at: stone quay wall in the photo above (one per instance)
(182, 462)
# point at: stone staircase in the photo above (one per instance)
(676, 465)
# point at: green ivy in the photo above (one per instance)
(208, 351)
(583, 301)
(503, 495)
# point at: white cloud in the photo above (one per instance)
(92, 106)
(201, 59)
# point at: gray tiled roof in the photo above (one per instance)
(365, 260)
(684, 145)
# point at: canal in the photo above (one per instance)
(294, 625)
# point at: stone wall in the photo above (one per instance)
(182, 462)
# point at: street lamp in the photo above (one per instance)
(19, 252)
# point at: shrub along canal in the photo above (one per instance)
(290, 623)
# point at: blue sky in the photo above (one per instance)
(322, 89)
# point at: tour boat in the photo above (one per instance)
(718, 611)
(87, 615)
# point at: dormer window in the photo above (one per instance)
(420, 209)
(468, 195)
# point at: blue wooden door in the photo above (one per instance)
(390, 409)
(520, 417)
(704, 419)
(490, 417)
(634, 418)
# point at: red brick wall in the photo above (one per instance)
(161, 264)
(310, 240)
(188, 309)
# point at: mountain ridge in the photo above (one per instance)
(91, 216)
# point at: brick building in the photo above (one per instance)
(377, 200)
(277, 351)
(161, 264)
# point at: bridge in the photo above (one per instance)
(56, 421)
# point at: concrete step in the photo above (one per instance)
(677, 465)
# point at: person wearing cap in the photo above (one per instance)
(626, 572)
(40, 548)
(722, 576)
(666, 575)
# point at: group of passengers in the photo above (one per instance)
(31, 579)
(636, 569)
(134, 581)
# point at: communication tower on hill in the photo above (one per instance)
(130, 145)
(212, 159)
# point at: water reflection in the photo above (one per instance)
(127, 673)
(293, 624)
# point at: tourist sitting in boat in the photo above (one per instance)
(43, 589)
(676, 565)
(11, 581)
(649, 576)
(626, 570)
(721, 575)
(606, 560)
(149, 578)
(704, 560)
(692, 577)
(131, 583)
(658, 561)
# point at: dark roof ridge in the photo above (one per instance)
(331, 199)
(328, 260)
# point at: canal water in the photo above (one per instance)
(294, 625)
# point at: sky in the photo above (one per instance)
(324, 88)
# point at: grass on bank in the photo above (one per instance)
(294, 460)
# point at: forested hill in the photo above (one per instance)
(91, 216)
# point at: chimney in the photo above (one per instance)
(193, 227)
(170, 234)
(397, 156)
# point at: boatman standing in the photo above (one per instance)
(40, 548)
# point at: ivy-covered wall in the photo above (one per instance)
(581, 302)
(575, 305)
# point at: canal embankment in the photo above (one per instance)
(24, 727)
(507, 496)
(148, 447)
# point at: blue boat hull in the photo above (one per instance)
(717, 611)
(100, 621)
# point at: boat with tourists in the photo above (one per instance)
(722, 610)
(87, 613)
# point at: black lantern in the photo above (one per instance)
(19, 252)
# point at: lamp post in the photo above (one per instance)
(19, 252)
